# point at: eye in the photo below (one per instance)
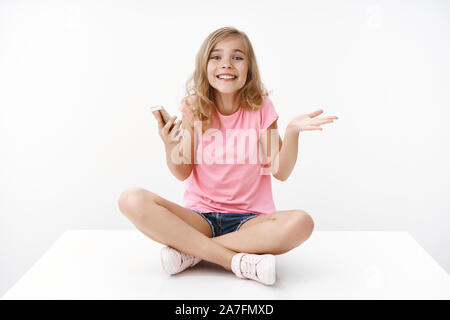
(219, 57)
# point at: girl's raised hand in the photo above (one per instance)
(170, 138)
(309, 121)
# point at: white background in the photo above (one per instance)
(76, 77)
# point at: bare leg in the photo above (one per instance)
(275, 233)
(146, 212)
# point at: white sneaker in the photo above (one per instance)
(174, 261)
(259, 267)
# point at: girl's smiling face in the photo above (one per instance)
(228, 57)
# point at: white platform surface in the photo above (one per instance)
(124, 264)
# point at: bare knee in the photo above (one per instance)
(303, 221)
(299, 227)
(132, 200)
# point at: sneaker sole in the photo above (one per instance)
(272, 274)
(165, 260)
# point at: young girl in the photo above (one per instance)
(228, 216)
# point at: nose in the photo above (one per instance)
(226, 67)
(226, 63)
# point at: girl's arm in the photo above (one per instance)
(179, 169)
(283, 159)
(184, 153)
(178, 147)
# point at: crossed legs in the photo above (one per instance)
(173, 225)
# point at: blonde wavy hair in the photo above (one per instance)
(199, 97)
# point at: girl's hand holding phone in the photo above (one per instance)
(170, 137)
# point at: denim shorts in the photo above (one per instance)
(223, 223)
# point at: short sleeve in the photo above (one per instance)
(268, 114)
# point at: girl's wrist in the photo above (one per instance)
(292, 130)
(169, 147)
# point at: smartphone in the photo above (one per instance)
(164, 114)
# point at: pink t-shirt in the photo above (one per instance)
(225, 178)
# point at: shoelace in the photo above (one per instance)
(248, 266)
(186, 258)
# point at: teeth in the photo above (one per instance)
(226, 77)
